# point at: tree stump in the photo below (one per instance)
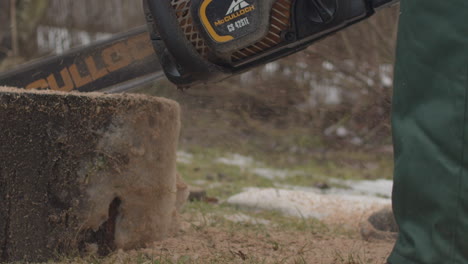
(85, 171)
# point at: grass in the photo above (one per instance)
(203, 215)
(223, 181)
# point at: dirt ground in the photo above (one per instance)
(244, 243)
(213, 245)
(276, 247)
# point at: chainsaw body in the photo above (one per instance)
(200, 41)
(195, 42)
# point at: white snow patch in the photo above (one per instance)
(332, 95)
(184, 157)
(357, 141)
(60, 39)
(243, 218)
(342, 131)
(370, 82)
(271, 173)
(334, 208)
(327, 92)
(386, 71)
(328, 66)
(249, 164)
(246, 77)
(287, 71)
(302, 65)
(236, 160)
(272, 67)
(382, 187)
(199, 182)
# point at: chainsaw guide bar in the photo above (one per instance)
(107, 63)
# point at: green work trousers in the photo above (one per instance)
(430, 130)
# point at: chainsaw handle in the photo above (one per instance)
(157, 23)
(182, 64)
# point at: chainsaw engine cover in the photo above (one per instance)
(201, 41)
(231, 25)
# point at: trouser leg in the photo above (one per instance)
(430, 129)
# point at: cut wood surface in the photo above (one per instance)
(84, 172)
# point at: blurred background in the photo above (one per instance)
(326, 107)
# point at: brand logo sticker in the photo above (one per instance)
(236, 6)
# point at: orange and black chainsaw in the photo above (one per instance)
(193, 42)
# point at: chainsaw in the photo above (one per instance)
(194, 42)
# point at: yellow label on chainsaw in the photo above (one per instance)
(225, 21)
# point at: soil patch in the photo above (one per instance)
(225, 245)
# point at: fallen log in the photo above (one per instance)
(82, 172)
